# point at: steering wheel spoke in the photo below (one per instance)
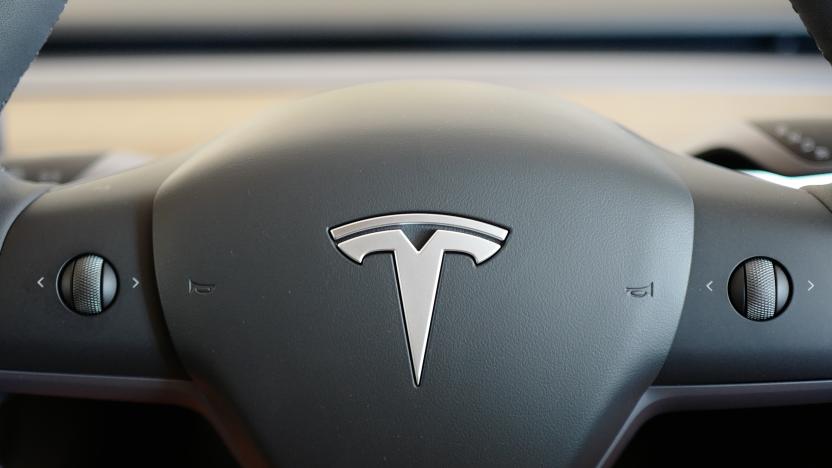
(77, 288)
(775, 239)
(724, 356)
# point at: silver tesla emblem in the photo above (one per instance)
(417, 270)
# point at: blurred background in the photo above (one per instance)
(289, 20)
(156, 77)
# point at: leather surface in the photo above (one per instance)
(24, 27)
(533, 358)
(817, 16)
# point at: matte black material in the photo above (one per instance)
(817, 16)
(179, 392)
(110, 217)
(109, 285)
(740, 217)
(674, 398)
(736, 289)
(534, 357)
(15, 196)
(24, 27)
(784, 288)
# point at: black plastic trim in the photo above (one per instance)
(183, 393)
(672, 398)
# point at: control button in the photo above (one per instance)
(808, 145)
(807, 138)
(88, 284)
(201, 289)
(759, 289)
(640, 291)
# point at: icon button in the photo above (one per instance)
(640, 291)
(200, 289)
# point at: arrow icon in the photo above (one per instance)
(811, 286)
(40, 282)
(135, 283)
(709, 286)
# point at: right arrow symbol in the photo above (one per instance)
(811, 286)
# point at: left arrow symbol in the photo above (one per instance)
(709, 286)
(40, 282)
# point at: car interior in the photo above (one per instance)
(249, 233)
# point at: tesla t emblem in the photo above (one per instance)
(417, 269)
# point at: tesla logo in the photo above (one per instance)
(417, 269)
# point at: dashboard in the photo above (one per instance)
(163, 104)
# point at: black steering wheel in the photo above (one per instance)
(417, 274)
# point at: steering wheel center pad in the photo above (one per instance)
(547, 345)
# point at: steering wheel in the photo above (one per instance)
(416, 273)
